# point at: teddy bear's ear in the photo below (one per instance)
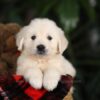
(20, 36)
(63, 42)
(13, 28)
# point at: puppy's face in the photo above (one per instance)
(41, 37)
(42, 40)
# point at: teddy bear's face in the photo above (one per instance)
(8, 47)
(7, 37)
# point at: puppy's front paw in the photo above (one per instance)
(51, 79)
(50, 83)
(34, 77)
(35, 82)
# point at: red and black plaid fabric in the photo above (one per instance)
(15, 88)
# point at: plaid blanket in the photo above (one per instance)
(15, 88)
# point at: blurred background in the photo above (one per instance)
(80, 19)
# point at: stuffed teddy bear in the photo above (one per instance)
(8, 57)
(8, 47)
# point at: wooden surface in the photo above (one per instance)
(68, 97)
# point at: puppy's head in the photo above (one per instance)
(41, 37)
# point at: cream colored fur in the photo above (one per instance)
(43, 70)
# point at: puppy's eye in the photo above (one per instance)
(33, 37)
(49, 38)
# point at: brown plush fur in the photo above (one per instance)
(8, 47)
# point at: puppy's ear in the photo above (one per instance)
(20, 39)
(20, 45)
(63, 42)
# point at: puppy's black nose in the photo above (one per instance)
(41, 47)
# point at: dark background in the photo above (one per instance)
(80, 19)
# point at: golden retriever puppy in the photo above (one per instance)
(41, 62)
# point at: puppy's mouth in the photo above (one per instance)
(41, 53)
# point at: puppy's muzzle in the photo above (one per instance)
(41, 49)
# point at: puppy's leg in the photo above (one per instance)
(27, 68)
(51, 79)
(68, 68)
(34, 77)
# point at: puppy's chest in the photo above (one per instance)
(39, 62)
(43, 64)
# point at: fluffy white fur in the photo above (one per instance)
(42, 70)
